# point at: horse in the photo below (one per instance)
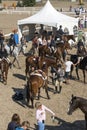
(68, 37)
(44, 50)
(36, 81)
(4, 67)
(38, 62)
(78, 102)
(82, 64)
(61, 51)
(31, 61)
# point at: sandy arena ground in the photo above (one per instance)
(58, 102)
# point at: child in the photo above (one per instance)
(25, 125)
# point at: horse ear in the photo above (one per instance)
(72, 95)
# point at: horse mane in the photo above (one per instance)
(79, 98)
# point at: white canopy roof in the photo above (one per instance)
(48, 15)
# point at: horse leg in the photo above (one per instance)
(86, 120)
(71, 71)
(27, 94)
(5, 78)
(77, 68)
(84, 75)
(46, 90)
(38, 94)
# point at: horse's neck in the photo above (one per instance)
(83, 105)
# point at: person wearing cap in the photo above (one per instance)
(41, 115)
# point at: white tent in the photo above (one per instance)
(48, 15)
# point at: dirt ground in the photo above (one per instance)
(58, 102)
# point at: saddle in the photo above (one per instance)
(39, 73)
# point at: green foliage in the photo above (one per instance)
(28, 2)
(0, 1)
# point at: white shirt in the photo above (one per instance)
(41, 113)
(68, 66)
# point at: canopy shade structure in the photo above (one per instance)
(49, 16)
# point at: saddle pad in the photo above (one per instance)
(38, 74)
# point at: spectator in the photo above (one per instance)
(66, 31)
(23, 44)
(16, 37)
(15, 54)
(41, 115)
(1, 40)
(68, 65)
(80, 43)
(15, 122)
(25, 125)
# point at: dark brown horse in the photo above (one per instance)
(36, 81)
(29, 62)
(82, 64)
(68, 37)
(4, 66)
(38, 62)
(44, 50)
(61, 51)
(78, 102)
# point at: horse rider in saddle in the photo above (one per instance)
(81, 51)
(4, 54)
(59, 34)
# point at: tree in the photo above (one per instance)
(28, 2)
(0, 1)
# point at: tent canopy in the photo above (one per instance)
(49, 16)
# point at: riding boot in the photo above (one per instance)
(60, 87)
(55, 89)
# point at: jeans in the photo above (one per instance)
(41, 126)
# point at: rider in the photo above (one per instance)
(60, 32)
(3, 53)
(81, 51)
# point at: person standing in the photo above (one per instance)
(68, 65)
(16, 37)
(23, 43)
(15, 122)
(1, 40)
(59, 78)
(41, 115)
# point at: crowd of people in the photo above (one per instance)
(12, 46)
(59, 75)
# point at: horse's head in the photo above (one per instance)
(73, 38)
(67, 45)
(73, 105)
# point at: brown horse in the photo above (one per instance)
(68, 37)
(61, 51)
(44, 50)
(4, 66)
(38, 63)
(29, 62)
(36, 81)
